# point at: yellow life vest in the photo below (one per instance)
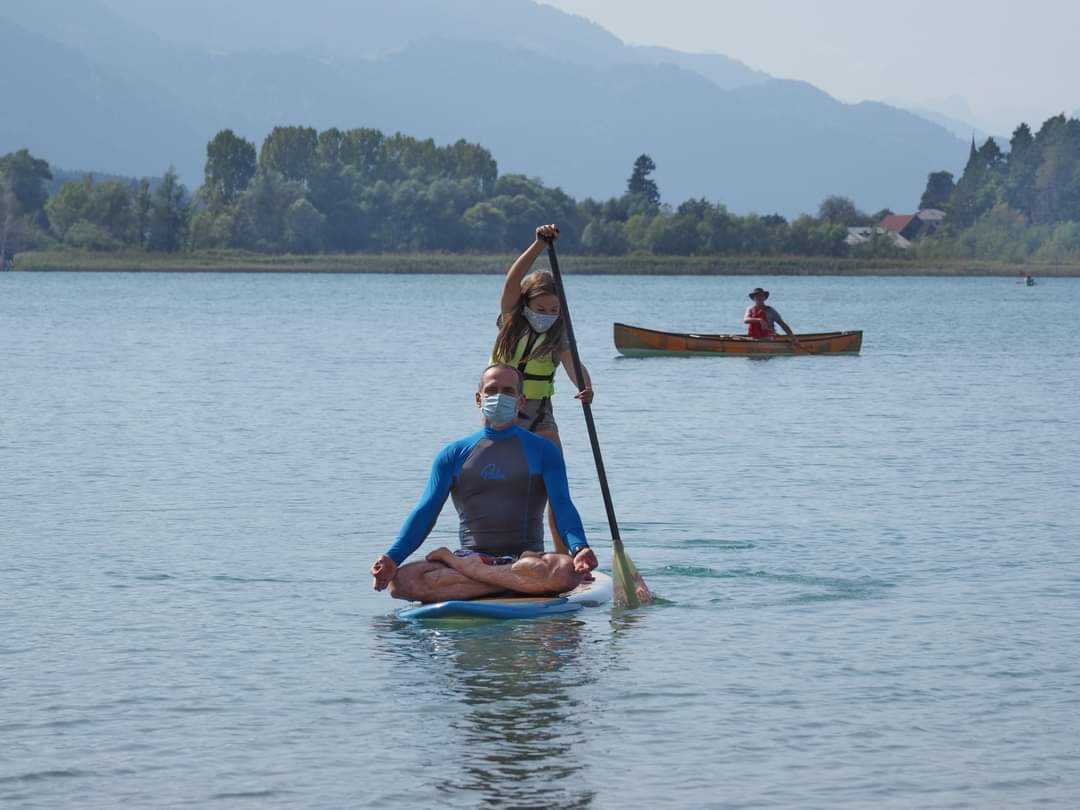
(539, 373)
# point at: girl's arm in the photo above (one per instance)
(567, 362)
(511, 294)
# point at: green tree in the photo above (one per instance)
(990, 155)
(261, 210)
(291, 152)
(1021, 140)
(1023, 163)
(639, 232)
(760, 235)
(90, 236)
(485, 227)
(810, 237)
(939, 188)
(142, 203)
(25, 177)
(718, 229)
(641, 184)
(841, 211)
(70, 205)
(9, 209)
(604, 238)
(168, 216)
(414, 158)
(474, 163)
(362, 149)
(1063, 242)
(336, 190)
(445, 202)
(675, 236)
(979, 187)
(108, 207)
(112, 209)
(211, 229)
(330, 145)
(230, 165)
(304, 227)
(1055, 193)
(524, 204)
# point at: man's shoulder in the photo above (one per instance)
(530, 439)
(460, 446)
(541, 450)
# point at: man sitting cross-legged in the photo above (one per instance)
(501, 479)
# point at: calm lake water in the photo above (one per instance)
(868, 565)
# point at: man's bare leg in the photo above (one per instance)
(532, 573)
(436, 582)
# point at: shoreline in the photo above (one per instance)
(491, 264)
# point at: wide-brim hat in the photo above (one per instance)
(759, 291)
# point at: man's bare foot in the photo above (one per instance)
(461, 562)
(441, 555)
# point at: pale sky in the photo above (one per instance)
(1009, 60)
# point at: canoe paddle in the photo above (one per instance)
(630, 589)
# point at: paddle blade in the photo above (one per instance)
(630, 590)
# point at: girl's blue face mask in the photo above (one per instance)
(499, 409)
(539, 321)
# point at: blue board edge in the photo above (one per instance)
(489, 610)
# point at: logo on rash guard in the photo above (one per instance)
(492, 473)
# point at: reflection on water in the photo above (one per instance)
(515, 683)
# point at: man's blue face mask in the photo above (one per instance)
(500, 409)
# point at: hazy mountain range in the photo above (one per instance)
(130, 86)
(955, 115)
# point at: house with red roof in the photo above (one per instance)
(913, 226)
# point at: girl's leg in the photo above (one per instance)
(556, 538)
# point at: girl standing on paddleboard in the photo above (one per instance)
(532, 337)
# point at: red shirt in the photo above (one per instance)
(755, 329)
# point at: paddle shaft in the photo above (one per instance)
(798, 346)
(616, 541)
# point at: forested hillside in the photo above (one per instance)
(135, 86)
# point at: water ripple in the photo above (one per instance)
(45, 776)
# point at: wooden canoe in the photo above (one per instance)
(634, 341)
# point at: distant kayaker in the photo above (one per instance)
(532, 338)
(500, 478)
(761, 319)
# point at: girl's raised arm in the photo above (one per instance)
(511, 294)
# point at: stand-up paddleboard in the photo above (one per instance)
(587, 594)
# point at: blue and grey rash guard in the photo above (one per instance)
(501, 481)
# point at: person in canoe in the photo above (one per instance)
(532, 338)
(761, 319)
(501, 478)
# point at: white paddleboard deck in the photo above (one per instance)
(587, 594)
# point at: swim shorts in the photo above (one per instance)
(488, 559)
(532, 420)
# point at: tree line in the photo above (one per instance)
(1023, 203)
(303, 191)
